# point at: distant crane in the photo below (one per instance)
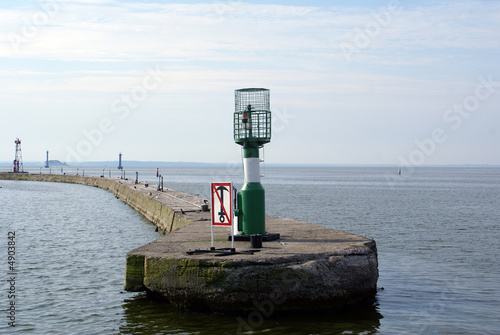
(18, 161)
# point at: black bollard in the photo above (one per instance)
(256, 241)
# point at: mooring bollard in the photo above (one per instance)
(256, 241)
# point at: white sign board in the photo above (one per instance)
(222, 204)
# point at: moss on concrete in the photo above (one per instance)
(134, 273)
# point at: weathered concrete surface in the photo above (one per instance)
(169, 210)
(309, 268)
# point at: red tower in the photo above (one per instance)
(18, 161)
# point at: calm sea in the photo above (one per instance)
(437, 232)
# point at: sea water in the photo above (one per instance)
(437, 233)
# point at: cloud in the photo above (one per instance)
(82, 55)
(116, 31)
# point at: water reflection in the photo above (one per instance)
(143, 315)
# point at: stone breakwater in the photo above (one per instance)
(309, 268)
(169, 210)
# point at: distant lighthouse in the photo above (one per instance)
(18, 161)
(120, 167)
(47, 160)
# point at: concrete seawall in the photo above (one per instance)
(309, 268)
(169, 210)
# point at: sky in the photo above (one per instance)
(352, 82)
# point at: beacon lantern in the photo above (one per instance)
(252, 129)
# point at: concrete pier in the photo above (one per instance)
(309, 268)
(169, 210)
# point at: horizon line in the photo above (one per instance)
(181, 163)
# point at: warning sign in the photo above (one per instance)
(222, 204)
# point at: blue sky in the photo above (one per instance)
(352, 82)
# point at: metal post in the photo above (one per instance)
(232, 226)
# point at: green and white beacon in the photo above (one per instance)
(252, 129)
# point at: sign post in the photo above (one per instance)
(222, 207)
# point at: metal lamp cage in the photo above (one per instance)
(252, 117)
